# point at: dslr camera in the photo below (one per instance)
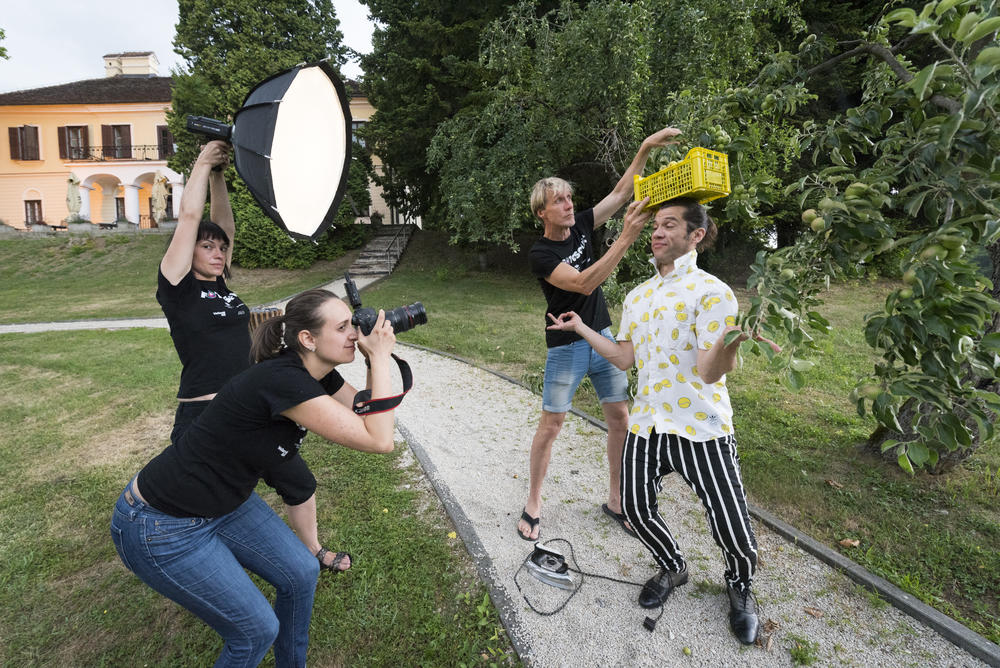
(401, 318)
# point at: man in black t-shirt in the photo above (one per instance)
(564, 262)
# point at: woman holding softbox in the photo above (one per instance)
(209, 323)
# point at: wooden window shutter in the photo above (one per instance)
(85, 140)
(63, 144)
(127, 137)
(15, 143)
(31, 148)
(107, 142)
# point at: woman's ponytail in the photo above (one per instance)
(267, 339)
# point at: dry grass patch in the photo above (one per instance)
(134, 442)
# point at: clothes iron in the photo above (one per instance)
(548, 565)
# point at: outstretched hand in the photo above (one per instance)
(566, 322)
(662, 138)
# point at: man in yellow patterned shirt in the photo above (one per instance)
(672, 329)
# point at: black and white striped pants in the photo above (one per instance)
(712, 470)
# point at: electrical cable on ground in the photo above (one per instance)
(549, 566)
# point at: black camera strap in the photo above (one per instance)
(365, 405)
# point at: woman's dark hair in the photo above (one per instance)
(301, 313)
(697, 218)
(209, 230)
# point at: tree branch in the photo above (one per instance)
(889, 58)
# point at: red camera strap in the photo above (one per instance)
(365, 405)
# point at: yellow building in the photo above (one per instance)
(106, 139)
(93, 149)
(361, 112)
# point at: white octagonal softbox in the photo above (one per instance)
(292, 146)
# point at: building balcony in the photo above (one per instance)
(118, 153)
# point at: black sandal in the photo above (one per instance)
(532, 523)
(337, 558)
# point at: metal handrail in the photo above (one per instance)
(393, 243)
(104, 153)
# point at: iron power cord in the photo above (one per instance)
(649, 622)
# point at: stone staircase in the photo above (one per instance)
(379, 256)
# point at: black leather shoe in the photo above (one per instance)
(743, 615)
(658, 588)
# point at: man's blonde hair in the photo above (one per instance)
(540, 193)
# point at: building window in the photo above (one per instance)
(33, 211)
(120, 208)
(24, 143)
(116, 141)
(73, 142)
(164, 142)
(355, 126)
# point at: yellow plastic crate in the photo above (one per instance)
(703, 175)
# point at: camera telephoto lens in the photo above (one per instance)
(406, 317)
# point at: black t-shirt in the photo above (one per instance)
(239, 439)
(577, 251)
(210, 328)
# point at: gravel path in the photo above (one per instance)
(471, 430)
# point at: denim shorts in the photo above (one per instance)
(565, 367)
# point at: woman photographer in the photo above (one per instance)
(190, 522)
(209, 324)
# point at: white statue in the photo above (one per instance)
(159, 197)
(73, 198)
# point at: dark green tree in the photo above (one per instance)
(424, 68)
(3, 50)
(228, 47)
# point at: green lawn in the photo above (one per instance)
(88, 408)
(114, 276)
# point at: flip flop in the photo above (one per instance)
(532, 523)
(620, 518)
(337, 558)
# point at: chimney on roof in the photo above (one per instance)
(131, 64)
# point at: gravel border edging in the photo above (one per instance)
(959, 634)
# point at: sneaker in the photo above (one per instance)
(658, 588)
(743, 614)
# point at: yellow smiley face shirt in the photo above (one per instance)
(669, 319)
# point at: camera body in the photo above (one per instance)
(401, 318)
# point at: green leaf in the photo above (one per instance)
(905, 17)
(962, 436)
(982, 29)
(991, 342)
(965, 25)
(889, 444)
(794, 380)
(904, 463)
(949, 128)
(922, 81)
(990, 56)
(917, 452)
(801, 365)
(731, 336)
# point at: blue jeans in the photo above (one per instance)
(198, 563)
(565, 367)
